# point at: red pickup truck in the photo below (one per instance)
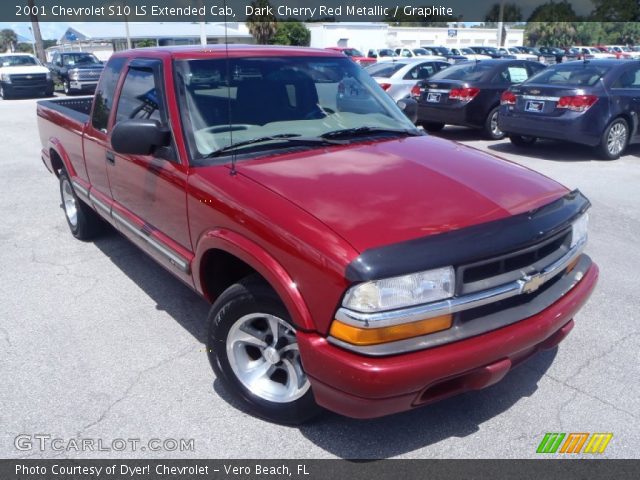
(352, 262)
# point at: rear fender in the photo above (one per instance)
(262, 262)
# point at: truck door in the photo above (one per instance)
(149, 191)
(95, 141)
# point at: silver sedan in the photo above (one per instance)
(397, 78)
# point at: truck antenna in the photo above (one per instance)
(226, 49)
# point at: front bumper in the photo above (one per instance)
(36, 88)
(83, 86)
(366, 387)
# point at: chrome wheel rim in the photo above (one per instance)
(263, 353)
(69, 203)
(494, 125)
(617, 138)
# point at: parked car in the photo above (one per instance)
(622, 51)
(469, 54)
(559, 53)
(542, 57)
(352, 262)
(414, 52)
(492, 52)
(448, 54)
(23, 74)
(594, 103)
(468, 94)
(587, 53)
(380, 53)
(355, 55)
(513, 52)
(398, 78)
(78, 72)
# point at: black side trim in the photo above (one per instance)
(469, 244)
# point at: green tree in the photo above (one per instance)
(262, 24)
(292, 32)
(556, 34)
(553, 12)
(616, 11)
(511, 13)
(8, 39)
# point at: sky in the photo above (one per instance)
(49, 30)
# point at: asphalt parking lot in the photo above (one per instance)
(98, 342)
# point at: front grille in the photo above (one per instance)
(28, 79)
(89, 75)
(512, 266)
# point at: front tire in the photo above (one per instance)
(83, 222)
(614, 139)
(491, 129)
(253, 349)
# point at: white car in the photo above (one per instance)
(399, 77)
(470, 54)
(592, 52)
(23, 74)
(518, 54)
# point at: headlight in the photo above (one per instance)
(73, 75)
(403, 291)
(579, 230)
(6, 78)
(48, 75)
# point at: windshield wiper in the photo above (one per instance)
(283, 137)
(359, 131)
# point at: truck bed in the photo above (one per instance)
(77, 108)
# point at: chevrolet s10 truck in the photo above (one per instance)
(352, 262)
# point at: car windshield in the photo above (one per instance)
(420, 51)
(79, 59)
(386, 52)
(17, 60)
(384, 70)
(441, 50)
(466, 51)
(352, 52)
(467, 71)
(574, 75)
(226, 102)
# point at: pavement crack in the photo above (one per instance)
(135, 381)
(603, 354)
(5, 334)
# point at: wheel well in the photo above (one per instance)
(56, 162)
(219, 270)
(632, 126)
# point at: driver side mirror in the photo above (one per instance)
(139, 137)
(410, 108)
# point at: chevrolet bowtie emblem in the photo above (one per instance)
(531, 283)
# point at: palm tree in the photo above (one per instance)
(8, 40)
(262, 24)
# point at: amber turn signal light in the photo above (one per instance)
(375, 336)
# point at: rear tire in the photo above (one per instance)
(433, 126)
(491, 129)
(614, 139)
(83, 222)
(253, 349)
(522, 140)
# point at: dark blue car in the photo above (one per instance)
(592, 102)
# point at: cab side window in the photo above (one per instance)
(105, 92)
(139, 97)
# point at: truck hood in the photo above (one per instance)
(24, 70)
(384, 192)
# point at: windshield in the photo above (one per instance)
(385, 52)
(352, 52)
(225, 102)
(574, 75)
(467, 51)
(79, 59)
(467, 71)
(441, 50)
(420, 51)
(17, 61)
(384, 70)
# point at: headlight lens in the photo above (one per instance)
(579, 230)
(403, 291)
(73, 75)
(6, 78)
(48, 75)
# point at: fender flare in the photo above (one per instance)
(262, 262)
(55, 145)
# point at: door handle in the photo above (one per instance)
(111, 158)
